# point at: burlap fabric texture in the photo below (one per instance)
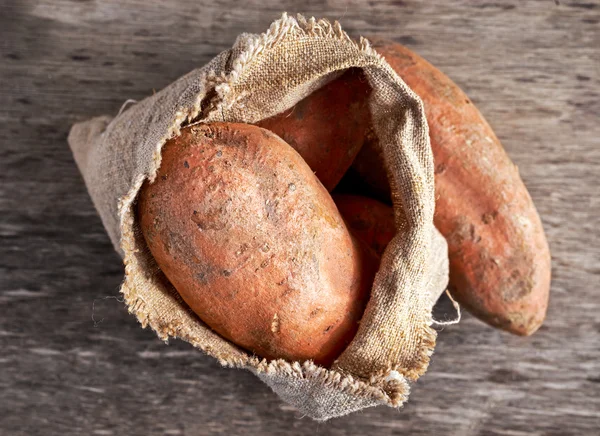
(259, 77)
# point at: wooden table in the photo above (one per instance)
(73, 361)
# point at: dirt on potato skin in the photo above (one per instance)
(500, 264)
(254, 244)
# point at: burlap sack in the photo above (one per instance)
(259, 77)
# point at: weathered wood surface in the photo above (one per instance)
(74, 362)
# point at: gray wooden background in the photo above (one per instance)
(73, 362)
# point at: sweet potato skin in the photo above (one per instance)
(254, 244)
(368, 219)
(500, 263)
(327, 127)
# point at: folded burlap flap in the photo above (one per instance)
(259, 77)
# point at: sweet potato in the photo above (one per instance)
(499, 257)
(254, 243)
(369, 220)
(327, 127)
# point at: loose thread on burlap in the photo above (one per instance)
(458, 314)
(124, 105)
(97, 323)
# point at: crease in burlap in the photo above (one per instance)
(259, 77)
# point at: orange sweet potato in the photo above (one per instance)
(369, 220)
(254, 244)
(499, 257)
(327, 127)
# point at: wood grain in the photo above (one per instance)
(74, 362)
